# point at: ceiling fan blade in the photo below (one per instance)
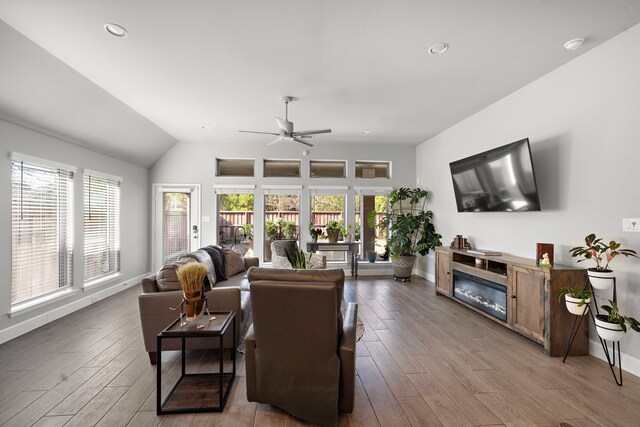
(264, 133)
(285, 125)
(312, 132)
(302, 141)
(275, 141)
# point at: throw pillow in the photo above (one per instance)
(233, 263)
(167, 277)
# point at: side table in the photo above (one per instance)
(202, 392)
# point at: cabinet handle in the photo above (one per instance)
(513, 296)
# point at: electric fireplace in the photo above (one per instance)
(486, 296)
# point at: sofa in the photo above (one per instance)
(161, 291)
(301, 349)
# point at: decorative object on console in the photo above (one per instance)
(544, 248)
(194, 302)
(298, 259)
(600, 276)
(314, 233)
(411, 230)
(576, 299)
(460, 242)
(613, 326)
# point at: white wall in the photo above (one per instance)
(134, 224)
(194, 163)
(583, 122)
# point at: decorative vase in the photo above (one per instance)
(371, 256)
(193, 308)
(347, 238)
(601, 279)
(608, 331)
(573, 305)
(332, 235)
(403, 266)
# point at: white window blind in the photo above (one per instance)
(101, 225)
(41, 228)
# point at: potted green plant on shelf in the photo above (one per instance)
(600, 276)
(370, 246)
(612, 326)
(333, 231)
(576, 299)
(411, 230)
(314, 233)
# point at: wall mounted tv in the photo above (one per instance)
(498, 180)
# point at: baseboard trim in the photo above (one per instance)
(429, 277)
(630, 364)
(35, 322)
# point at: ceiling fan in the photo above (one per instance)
(286, 128)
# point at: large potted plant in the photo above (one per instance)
(612, 326)
(600, 276)
(411, 230)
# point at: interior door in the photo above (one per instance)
(176, 222)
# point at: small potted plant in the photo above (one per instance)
(576, 299)
(333, 231)
(370, 250)
(314, 233)
(613, 326)
(600, 276)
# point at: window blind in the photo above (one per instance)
(101, 225)
(41, 229)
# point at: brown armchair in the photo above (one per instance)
(299, 356)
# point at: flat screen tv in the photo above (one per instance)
(498, 180)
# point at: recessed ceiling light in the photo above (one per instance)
(438, 49)
(365, 132)
(574, 44)
(116, 30)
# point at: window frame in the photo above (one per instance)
(345, 168)
(373, 163)
(253, 167)
(292, 161)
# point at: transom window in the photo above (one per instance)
(328, 169)
(372, 169)
(234, 167)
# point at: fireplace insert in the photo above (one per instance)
(486, 296)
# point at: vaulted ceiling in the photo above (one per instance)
(224, 65)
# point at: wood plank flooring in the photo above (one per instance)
(423, 361)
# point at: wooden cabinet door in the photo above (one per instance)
(443, 272)
(527, 302)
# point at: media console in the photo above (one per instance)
(516, 293)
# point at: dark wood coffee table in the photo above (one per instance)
(201, 392)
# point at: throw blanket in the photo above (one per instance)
(217, 258)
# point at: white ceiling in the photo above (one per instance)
(353, 65)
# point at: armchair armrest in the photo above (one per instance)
(348, 359)
(251, 262)
(149, 284)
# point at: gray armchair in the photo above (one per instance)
(300, 353)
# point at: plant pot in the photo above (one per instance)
(371, 256)
(347, 238)
(601, 279)
(572, 305)
(403, 266)
(332, 235)
(608, 331)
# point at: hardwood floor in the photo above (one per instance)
(423, 361)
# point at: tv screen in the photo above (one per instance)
(498, 180)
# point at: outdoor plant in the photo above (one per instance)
(577, 293)
(298, 260)
(600, 252)
(614, 316)
(280, 229)
(247, 230)
(289, 230)
(315, 233)
(333, 225)
(410, 225)
(271, 230)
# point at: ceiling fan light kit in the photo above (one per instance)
(286, 128)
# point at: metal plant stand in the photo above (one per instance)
(613, 356)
